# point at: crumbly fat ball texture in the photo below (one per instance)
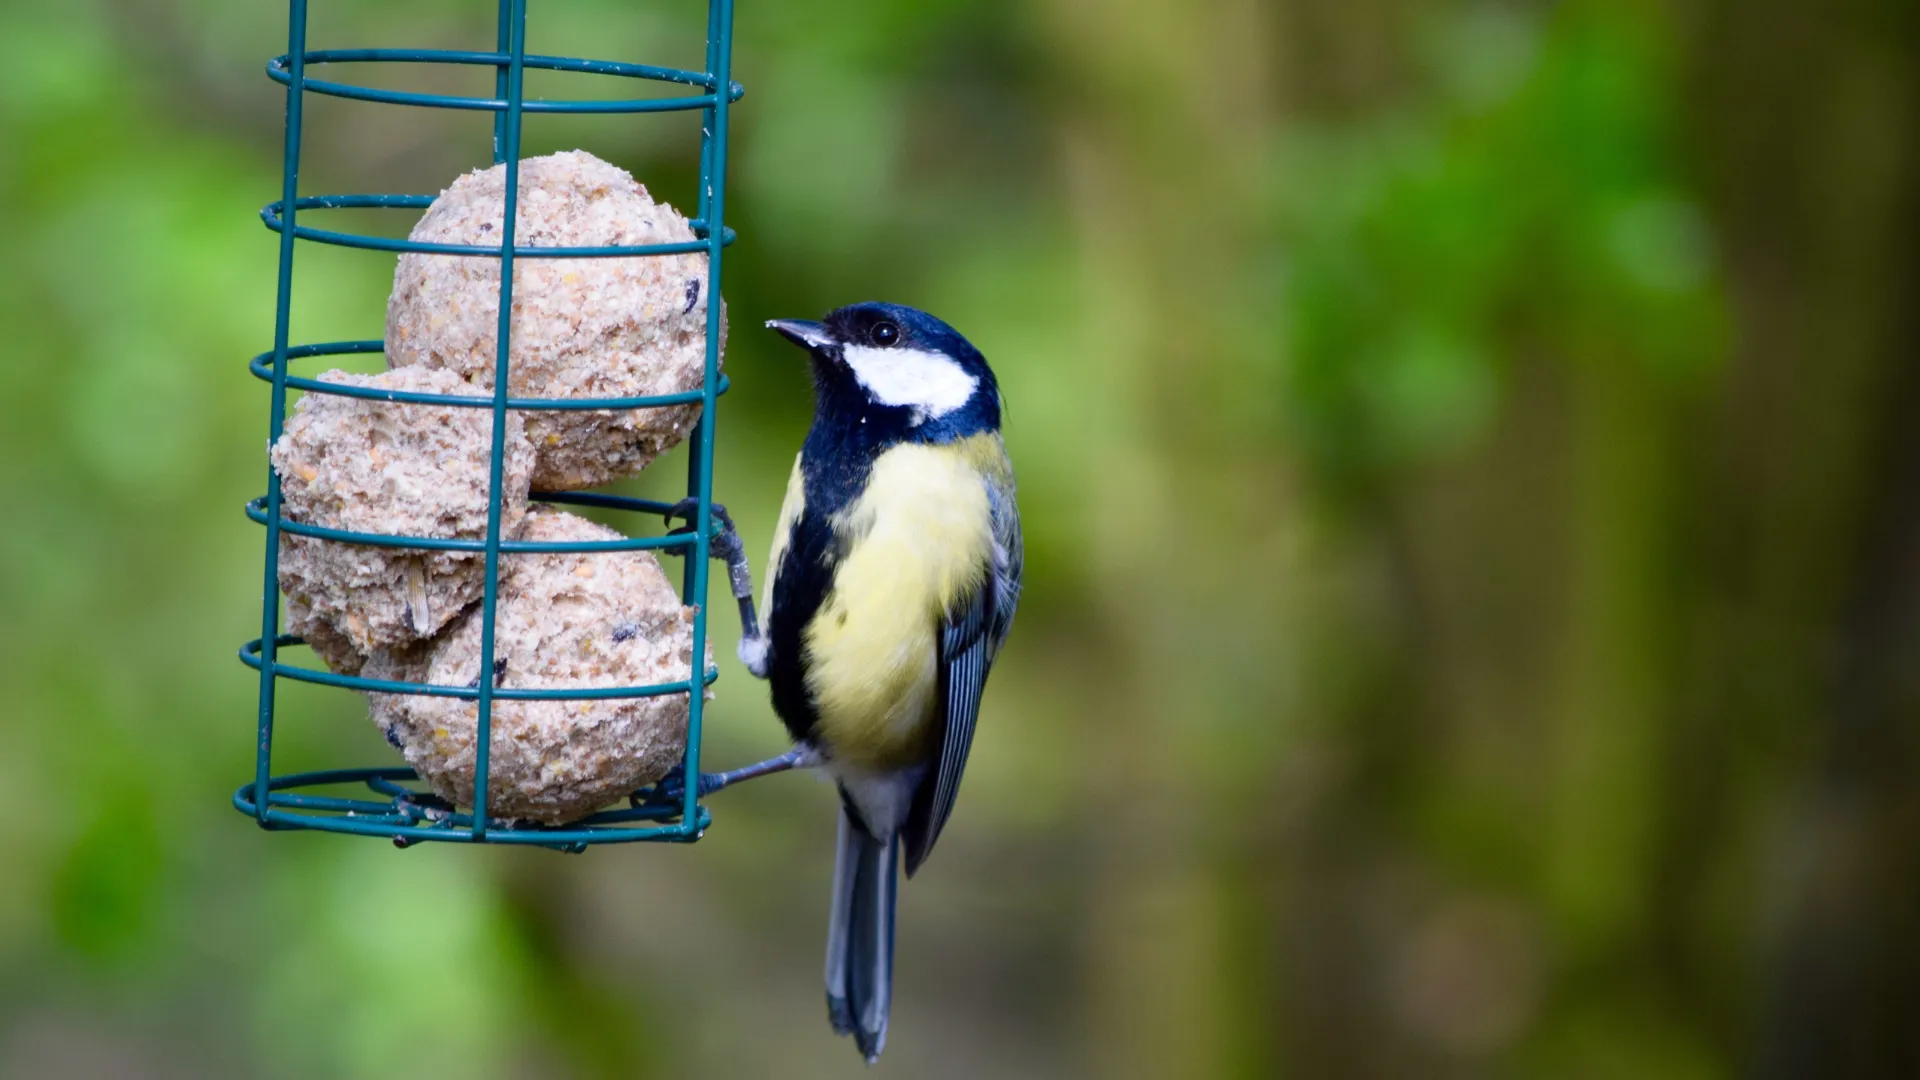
(564, 620)
(387, 467)
(330, 645)
(618, 327)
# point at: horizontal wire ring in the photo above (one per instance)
(256, 511)
(262, 368)
(278, 69)
(272, 215)
(400, 818)
(250, 656)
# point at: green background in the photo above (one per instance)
(1472, 493)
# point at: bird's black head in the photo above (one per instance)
(900, 373)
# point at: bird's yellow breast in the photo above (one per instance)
(917, 541)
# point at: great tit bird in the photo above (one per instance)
(894, 576)
(895, 572)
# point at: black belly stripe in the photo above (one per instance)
(800, 586)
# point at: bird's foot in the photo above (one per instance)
(724, 544)
(671, 789)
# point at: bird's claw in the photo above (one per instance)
(669, 790)
(723, 544)
(688, 509)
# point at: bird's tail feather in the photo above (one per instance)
(860, 936)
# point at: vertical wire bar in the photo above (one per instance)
(713, 194)
(483, 731)
(283, 306)
(706, 116)
(502, 41)
(703, 210)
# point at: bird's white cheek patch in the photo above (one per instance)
(929, 382)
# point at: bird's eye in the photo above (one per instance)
(884, 333)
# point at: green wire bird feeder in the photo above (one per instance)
(395, 810)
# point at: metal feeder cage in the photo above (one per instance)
(397, 811)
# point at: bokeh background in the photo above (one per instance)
(1472, 482)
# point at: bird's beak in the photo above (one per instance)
(810, 336)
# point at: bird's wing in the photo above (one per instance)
(969, 640)
(1009, 562)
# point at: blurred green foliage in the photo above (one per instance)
(1471, 515)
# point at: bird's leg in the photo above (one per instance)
(725, 545)
(673, 786)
